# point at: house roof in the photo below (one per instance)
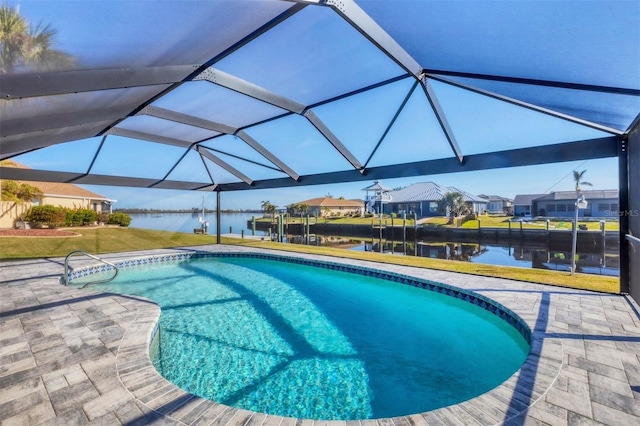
(377, 186)
(332, 202)
(525, 199)
(589, 195)
(60, 189)
(428, 191)
(494, 197)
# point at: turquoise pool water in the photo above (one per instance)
(300, 341)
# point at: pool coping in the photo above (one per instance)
(568, 376)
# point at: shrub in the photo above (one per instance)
(51, 216)
(81, 217)
(121, 219)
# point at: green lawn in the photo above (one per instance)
(504, 221)
(110, 240)
(486, 221)
(97, 241)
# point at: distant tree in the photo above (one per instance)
(291, 208)
(24, 47)
(298, 209)
(577, 177)
(269, 208)
(453, 203)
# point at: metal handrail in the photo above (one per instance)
(66, 268)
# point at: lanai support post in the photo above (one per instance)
(218, 217)
(623, 209)
(629, 212)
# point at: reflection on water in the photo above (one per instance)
(541, 256)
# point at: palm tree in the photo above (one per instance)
(269, 208)
(27, 48)
(454, 204)
(303, 209)
(577, 177)
(298, 209)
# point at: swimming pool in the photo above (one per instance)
(281, 336)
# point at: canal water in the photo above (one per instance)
(187, 222)
(539, 256)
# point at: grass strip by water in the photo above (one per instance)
(112, 240)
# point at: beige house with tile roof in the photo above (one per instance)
(54, 194)
(328, 206)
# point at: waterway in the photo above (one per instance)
(187, 222)
(539, 256)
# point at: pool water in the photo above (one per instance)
(299, 341)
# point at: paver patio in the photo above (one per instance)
(71, 356)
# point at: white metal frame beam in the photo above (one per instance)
(256, 92)
(228, 167)
(527, 105)
(442, 118)
(246, 88)
(134, 134)
(363, 23)
(190, 120)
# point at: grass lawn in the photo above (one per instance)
(486, 221)
(97, 241)
(503, 222)
(111, 240)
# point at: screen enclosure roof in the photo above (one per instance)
(232, 95)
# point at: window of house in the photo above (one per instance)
(562, 207)
(614, 207)
(571, 207)
(433, 206)
(602, 207)
(551, 207)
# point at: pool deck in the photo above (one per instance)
(73, 357)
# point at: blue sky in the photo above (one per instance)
(129, 31)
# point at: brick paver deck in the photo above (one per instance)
(71, 356)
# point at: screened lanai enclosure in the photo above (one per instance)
(253, 94)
